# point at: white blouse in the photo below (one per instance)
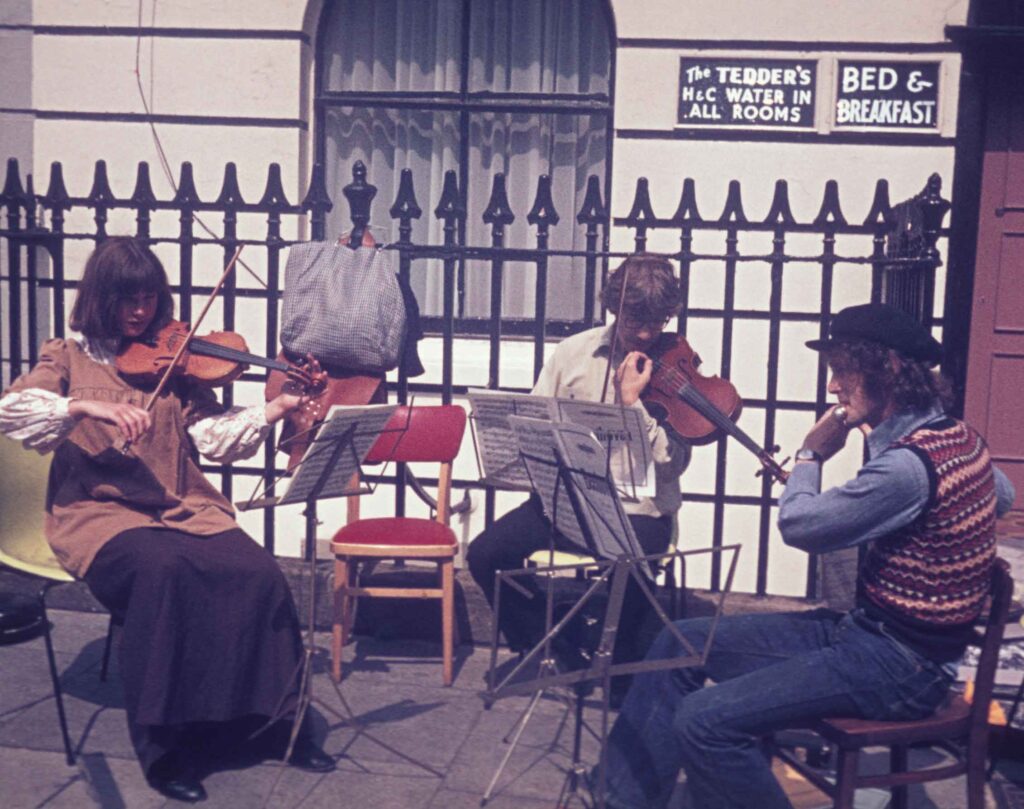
(40, 419)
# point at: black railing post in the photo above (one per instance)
(58, 201)
(498, 214)
(273, 201)
(780, 217)
(318, 202)
(450, 211)
(934, 209)
(143, 200)
(879, 218)
(186, 200)
(100, 199)
(31, 272)
(685, 218)
(12, 197)
(732, 219)
(542, 216)
(405, 209)
(829, 219)
(229, 201)
(359, 194)
(593, 214)
(641, 215)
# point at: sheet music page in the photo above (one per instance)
(632, 464)
(536, 441)
(365, 423)
(499, 450)
(621, 431)
(599, 505)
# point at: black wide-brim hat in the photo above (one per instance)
(885, 325)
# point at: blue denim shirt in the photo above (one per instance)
(890, 491)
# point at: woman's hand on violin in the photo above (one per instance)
(283, 404)
(630, 380)
(132, 421)
(828, 435)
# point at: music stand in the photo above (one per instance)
(328, 468)
(563, 459)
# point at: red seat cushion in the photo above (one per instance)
(397, 532)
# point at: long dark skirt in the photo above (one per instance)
(210, 632)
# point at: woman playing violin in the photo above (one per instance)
(603, 364)
(210, 629)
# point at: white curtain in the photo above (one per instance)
(516, 46)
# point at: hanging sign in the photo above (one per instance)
(889, 95)
(753, 93)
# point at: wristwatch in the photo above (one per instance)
(805, 454)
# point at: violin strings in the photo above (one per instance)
(686, 390)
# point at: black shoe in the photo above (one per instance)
(309, 757)
(180, 787)
(173, 777)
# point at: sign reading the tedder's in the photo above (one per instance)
(890, 95)
(746, 92)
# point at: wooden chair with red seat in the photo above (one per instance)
(959, 728)
(414, 434)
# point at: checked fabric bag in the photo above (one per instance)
(343, 306)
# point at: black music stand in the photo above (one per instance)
(576, 467)
(328, 468)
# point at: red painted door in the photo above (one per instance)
(995, 370)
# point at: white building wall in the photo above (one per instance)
(232, 81)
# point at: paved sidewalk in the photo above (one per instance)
(448, 746)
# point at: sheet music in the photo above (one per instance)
(599, 506)
(357, 429)
(535, 440)
(620, 428)
(621, 431)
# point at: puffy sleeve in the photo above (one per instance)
(34, 410)
(49, 373)
(232, 435)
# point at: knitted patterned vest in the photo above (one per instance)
(935, 572)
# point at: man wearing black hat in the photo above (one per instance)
(924, 503)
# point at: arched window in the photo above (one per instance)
(520, 87)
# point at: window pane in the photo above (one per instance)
(516, 46)
(524, 146)
(393, 45)
(538, 46)
(387, 141)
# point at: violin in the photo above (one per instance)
(216, 359)
(695, 407)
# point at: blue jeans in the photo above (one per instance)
(770, 672)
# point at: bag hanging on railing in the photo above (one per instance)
(343, 306)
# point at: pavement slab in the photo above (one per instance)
(415, 744)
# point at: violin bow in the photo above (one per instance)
(192, 331)
(615, 334)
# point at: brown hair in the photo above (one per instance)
(118, 268)
(914, 385)
(652, 290)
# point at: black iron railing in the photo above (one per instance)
(33, 278)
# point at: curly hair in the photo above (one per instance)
(913, 385)
(118, 268)
(652, 294)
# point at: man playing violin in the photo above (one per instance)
(924, 504)
(603, 364)
(210, 632)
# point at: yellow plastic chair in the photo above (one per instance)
(23, 546)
